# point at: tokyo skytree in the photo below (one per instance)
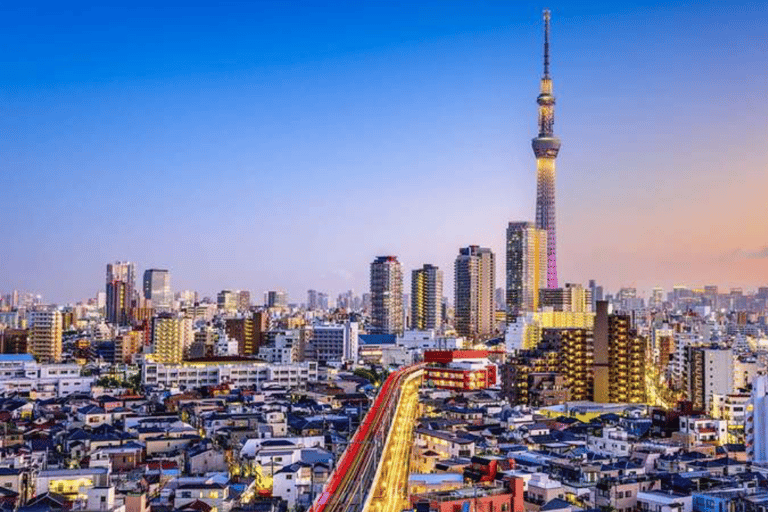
(546, 147)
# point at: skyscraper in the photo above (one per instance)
(426, 298)
(545, 147)
(157, 288)
(526, 267)
(386, 296)
(121, 283)
(474, 283)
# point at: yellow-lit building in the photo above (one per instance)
(127, 344)
(171, 337)
(626, 360)
(527, 331)
(45, 332)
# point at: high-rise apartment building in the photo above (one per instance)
(172, 336)
(426, 298)
(45, 336)
(526, 267)
(386, 296)
(577, 354)
(127, 344)
(121, 283)
(157, 288)
(757, 421)
(249, 331)
(474, 284)
(619, 358)
(709, 372)
(559, 368)
(546, 147)
(626, 358)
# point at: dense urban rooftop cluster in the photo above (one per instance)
(222, 405)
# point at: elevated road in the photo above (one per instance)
(351, 481)
(389, 492)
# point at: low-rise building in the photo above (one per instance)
(238, 372)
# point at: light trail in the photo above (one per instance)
(390, 488)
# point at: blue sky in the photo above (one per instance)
(284, 145)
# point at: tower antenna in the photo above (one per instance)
(546, 43)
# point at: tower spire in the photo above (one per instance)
(546, 43)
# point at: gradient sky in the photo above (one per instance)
(263, 145)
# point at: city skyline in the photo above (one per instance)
(633, 208)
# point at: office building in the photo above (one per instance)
(121, 283)
(572, 298)
(546, 147)
(313, 301)
(335, 342)
(426, 298)
(276, 299)
(243, 300)
(474, 283)
(526, 267)
(157, 288)
(227, 300)
(386, 296)
(45, 336)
